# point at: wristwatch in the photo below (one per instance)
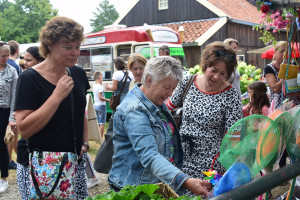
(86, 144)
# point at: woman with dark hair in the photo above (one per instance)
(44, 111)
(210, 108)
(118, 78)
(32, 57)
(259, 100)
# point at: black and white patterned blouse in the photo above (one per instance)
(206, 119)
(269, 69)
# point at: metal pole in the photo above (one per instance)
(262, 184)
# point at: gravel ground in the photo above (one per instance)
(12, 193)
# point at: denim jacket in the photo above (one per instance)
(9, 83)
(142, 145)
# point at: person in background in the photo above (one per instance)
(21, 64)
(14, 55)
(8, 82)
(119, 78)
(212, 105)
(147, 147)
(136, 64)
(43, 101)
(100, 101)
(234, 79)
(32, 57)
(259, 100)
(270, 73)
(164, 50)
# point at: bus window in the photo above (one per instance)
(97, 59)
(175, 52)
(124, 51)
(144, 50)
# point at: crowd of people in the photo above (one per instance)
(36, 100)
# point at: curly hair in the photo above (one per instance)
(259, 97)
(34, 51)
(136, 57)
(59, 29)
(218, 52)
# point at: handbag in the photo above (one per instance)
(53, 174)
(103, 159)
(287, 71)
(9, 135)
(177, 114)
(114, 101)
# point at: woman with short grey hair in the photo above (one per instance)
(147, 146)
(161, 68)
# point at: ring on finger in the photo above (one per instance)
(70, 82)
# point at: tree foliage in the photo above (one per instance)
(22, 20)
(106, 15)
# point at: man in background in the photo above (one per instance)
(164, 50)
(14, 55)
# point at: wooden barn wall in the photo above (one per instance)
(146, 11)
(249, 40)
(192, 55)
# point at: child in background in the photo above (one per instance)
(99, 101)
(259, 101)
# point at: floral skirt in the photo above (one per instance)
(23, 181)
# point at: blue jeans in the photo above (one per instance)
(101, 114)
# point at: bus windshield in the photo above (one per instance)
(175, 52)
(97, 59)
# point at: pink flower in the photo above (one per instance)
(265, 9)
(274, 31)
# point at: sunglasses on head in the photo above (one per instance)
(221, 53)
(3, 43)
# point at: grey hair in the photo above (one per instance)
(162, 67)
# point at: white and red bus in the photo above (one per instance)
(99, 49)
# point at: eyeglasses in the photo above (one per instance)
(3, 43)
(221, 53)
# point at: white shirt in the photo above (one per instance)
(118, 75)
(97, 88)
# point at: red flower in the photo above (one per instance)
(265, 9)
(64, 185)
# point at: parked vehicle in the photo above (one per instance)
(99, 49)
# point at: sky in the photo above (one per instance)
(82, 10)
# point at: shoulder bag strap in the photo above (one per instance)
(73, 116)
(64, 159)
(124, 83)
(186, 89)
(35, 183)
